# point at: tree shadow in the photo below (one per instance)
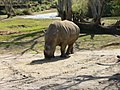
(115, 77)
(28, 41)
(42, 61)
(75, 81)
(113, 80)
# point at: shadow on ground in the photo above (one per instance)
(110, 81)
(42, 61)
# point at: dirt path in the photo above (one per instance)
(84, 70)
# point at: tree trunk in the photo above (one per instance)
(65, 9)
(9, 8)
(93, 28)
(68, 9)
(60, 9)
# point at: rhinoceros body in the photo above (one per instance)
(63, 34)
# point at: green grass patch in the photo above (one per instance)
(110, 20)
(27, 29)
(97, 42)
(22, 26)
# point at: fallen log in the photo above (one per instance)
(93, 28)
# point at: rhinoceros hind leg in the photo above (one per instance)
(63, 47)
(70, 49)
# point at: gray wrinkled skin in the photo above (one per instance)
(63, 34)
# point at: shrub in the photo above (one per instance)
(2, 12)
(27, 12)
(115, 7)
(18, 12)
(107, 10)
(38, 8)
(53, 4)
(33, 9)
(81, 7)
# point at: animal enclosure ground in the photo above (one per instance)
(84, 70)
(94, 66)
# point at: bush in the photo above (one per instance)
(107, 10)
(27, 12)
(38, 8)
(53, 4)
(81, 7)
(2, 12)
(112, 8)
(33, 9)
(19, 12)
(115, 7)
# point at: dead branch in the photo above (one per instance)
(93, 28)
(111, 44)
(117, 24)
(30, 48)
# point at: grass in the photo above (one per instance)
(22, 26)
(86, 43)
(24, 30)
(110, 20)
(27, 29)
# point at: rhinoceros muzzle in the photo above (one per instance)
(48, 55)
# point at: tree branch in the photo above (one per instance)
(30, 48)
(111, 44)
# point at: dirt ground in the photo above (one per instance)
(83, 70)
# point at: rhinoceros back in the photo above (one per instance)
(66, 31)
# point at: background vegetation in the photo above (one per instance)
(17, 33)
(112, 7)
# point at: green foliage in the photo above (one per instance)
(28, 29)
(2, 12)
(18, 12)
(107, 10)
(81, 7)
(53, 4)
(40, 8)
(23, 12)
(34, 6)
(21, 26)
(45, 5)
(115, 7)
(27, 12)
(112, 7)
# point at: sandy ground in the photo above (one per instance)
(83, 70)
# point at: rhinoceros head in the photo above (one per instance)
(51, 35)
(49, 51)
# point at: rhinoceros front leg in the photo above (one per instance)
(70, 49)
(63, 47)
